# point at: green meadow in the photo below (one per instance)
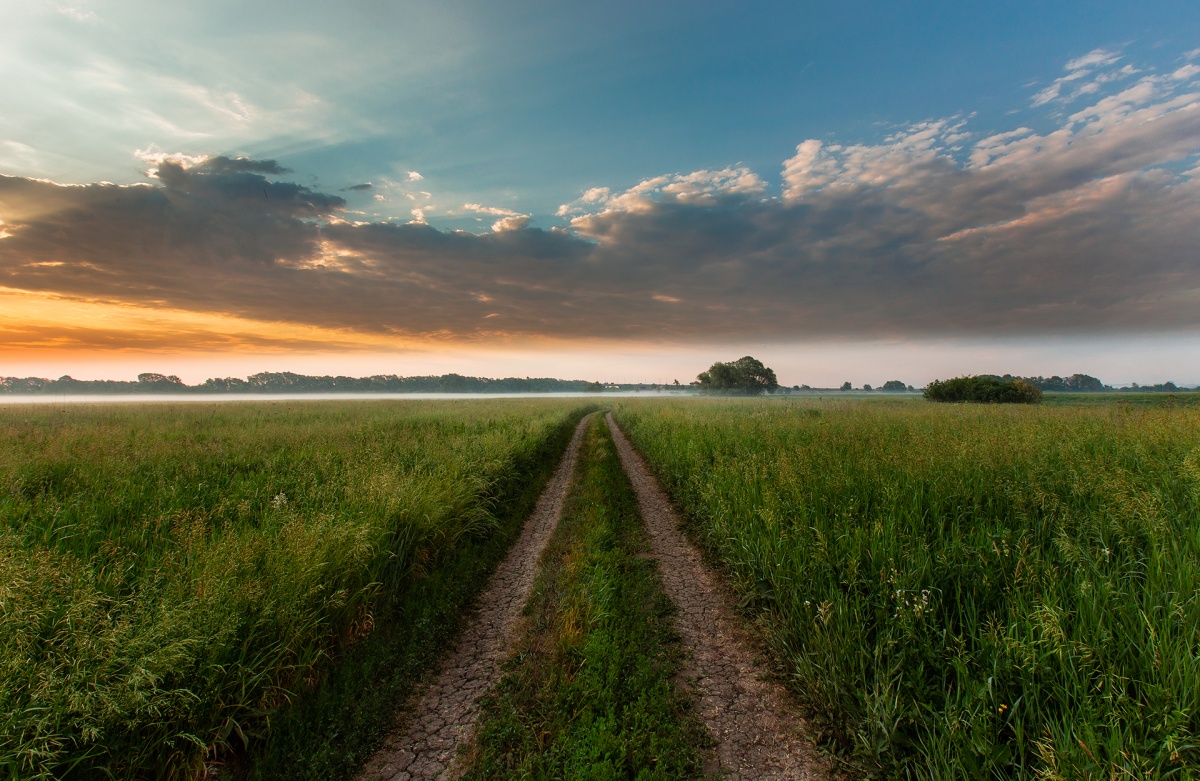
(184, 583)
(954, 591)
(960, 591)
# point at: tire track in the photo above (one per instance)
(447, 710)
(757, 734)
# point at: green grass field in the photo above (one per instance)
(961, 591)
(1123, 400)
(956, 591)
(177, 580)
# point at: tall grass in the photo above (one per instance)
(961, 592)
(172, 577)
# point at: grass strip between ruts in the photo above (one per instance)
(589, 693)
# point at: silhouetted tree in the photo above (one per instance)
(746, 375)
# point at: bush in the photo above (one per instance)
(983, 390)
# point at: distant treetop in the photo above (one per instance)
(745, 376)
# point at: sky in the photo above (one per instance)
(849, 191)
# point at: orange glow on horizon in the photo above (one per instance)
(37, 323)
(36, 326)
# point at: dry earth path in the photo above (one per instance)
(445, 715)
(758, 734)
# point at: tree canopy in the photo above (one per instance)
(746, 375)
(983, 389)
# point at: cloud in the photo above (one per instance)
(509, 220)
(1093, 59)
(513, 223)
(358, 188)
(1086, 227)
(595, 195)
(696, 188)
(1084, 76)
(76, 13)
(225, 165)
(1186, 72)
(494, 210)
(413, 176)
(155, 156)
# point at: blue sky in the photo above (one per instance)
(654, 186)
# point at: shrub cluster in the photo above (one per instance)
(985, 390)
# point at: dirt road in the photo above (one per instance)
(445, 715)
(757, 732)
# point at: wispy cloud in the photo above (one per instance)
(699, 187)
(1084, 76)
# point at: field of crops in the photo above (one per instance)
(173, 577)
(961, 591)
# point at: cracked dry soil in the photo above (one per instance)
(444, 718)
(757, 734)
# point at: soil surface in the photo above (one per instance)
(444, 718)
(757, 731)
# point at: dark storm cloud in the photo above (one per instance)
(1091, 227)
(358, 188)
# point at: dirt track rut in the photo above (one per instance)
(447, 710)
(758, 735)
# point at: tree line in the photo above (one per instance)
(288, 382)
(745, 376)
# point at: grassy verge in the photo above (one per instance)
(964, 592)
(332, 731)
(182, 582)
(589, 694)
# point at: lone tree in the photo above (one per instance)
(745, 376)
